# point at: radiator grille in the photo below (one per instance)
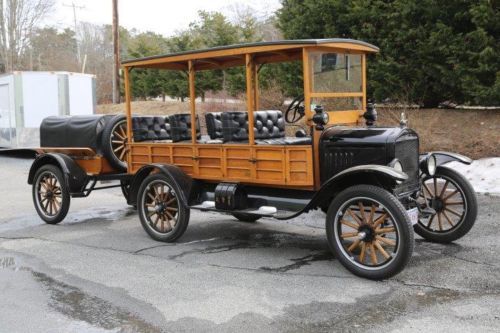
(406, 151)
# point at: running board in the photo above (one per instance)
(264, 211)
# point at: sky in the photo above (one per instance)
(164, 17)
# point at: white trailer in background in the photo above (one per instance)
(28, 97)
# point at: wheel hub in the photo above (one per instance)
(437, 204)
(366, 233)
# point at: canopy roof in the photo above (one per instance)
(264, 52)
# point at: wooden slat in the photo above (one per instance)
(192, 101)
(250, 96)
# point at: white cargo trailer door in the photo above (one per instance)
(81, 94)
(6, 117)
(40, 97)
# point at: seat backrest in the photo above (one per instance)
(235, 126)
(180, 126)
(150, 128)
(214, 125)
(267, 125)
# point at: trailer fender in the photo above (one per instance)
(443, 157)
(75, 176)
(175, 174)
(378, 175)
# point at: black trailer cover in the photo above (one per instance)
(73, 131)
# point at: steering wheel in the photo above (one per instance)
(295, 110)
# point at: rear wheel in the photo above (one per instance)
(50, 194)
(162, 214)
(245, 217)
(453, 199)
(369, 232)
(114, 142)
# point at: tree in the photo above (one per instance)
(18, 18)
(433, 50)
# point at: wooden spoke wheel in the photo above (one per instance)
(119, 140)
(162, 214)
(453, 203)
(50, 195)
(114, 142)
(369, 231)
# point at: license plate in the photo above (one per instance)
(413, 214)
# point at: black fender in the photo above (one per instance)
(76, 178)
(443, 157)
(173, 172)
(379, 175)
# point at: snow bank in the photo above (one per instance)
(484, 174)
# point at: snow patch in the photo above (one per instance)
(483, 174)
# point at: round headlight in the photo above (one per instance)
(431, 165)
(398, 166)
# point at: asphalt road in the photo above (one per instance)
(98, 271)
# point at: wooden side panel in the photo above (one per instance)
(269, 165)
(238, 163)
(277, 165)
(210, 162)
(300, 168)
(182, 156)
(139, 156)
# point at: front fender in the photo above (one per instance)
(378, 175)
(443, 157)
(75, 176)
(175, 174)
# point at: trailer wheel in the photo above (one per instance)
(50, 194)
(114, 142)
(369, 232)
(162, 214)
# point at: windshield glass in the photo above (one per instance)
(336, 72)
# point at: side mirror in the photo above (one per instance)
(371, 113)
(320, 118)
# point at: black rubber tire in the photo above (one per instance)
(183, 211)
(106, 144)
(466, 224)
(401, 218)
(65, 196)
(245, 217)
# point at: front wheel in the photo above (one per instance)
(454, 202)
(162, 214)
(369, 232)
(50, 194)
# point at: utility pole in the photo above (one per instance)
(75, 7)
(116, 53)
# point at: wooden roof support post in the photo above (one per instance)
(363, 79)
(306, 65)
(256, 86)
(128, 108)
(250, 77)
(192, 100)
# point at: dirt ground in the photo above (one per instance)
(469, 132)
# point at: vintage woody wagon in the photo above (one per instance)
(372, 182)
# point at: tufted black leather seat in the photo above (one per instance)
(269, 128)
(214, 125)
(180, 126)
(150, 128)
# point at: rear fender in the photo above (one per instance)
(75, 176)
(174, 173)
